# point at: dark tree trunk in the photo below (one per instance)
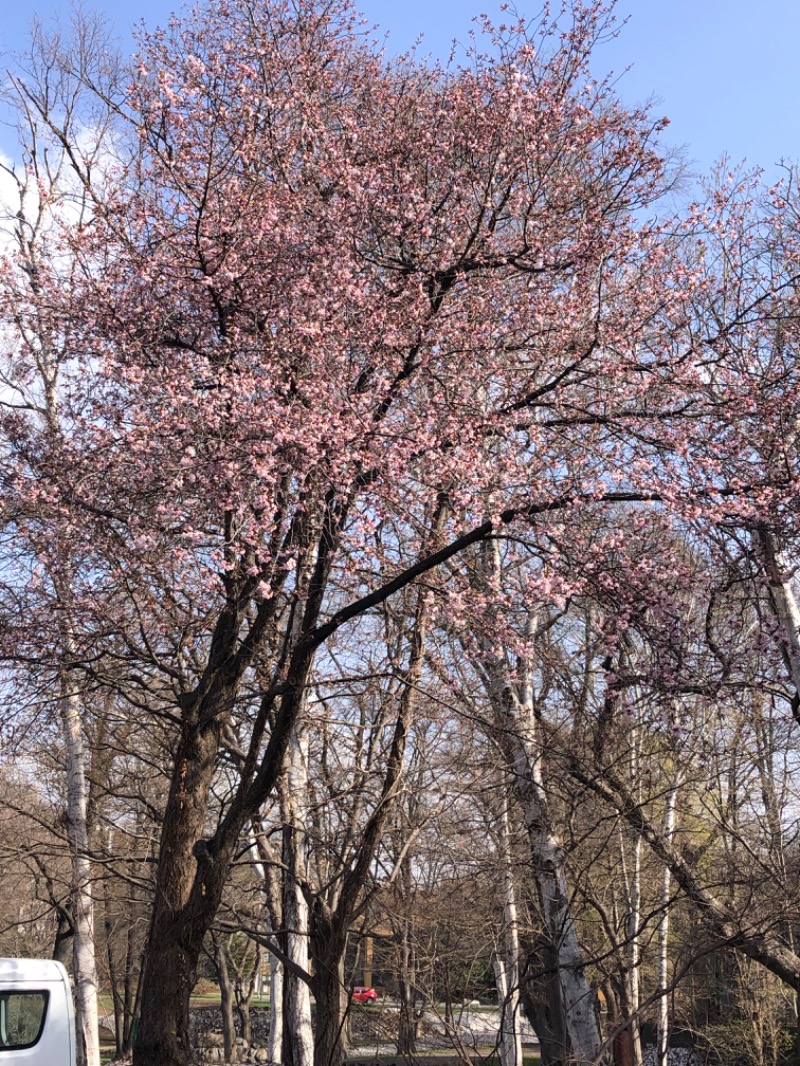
(226, 1001)
(132, 995)
(181, 917)
(119, 1007)
(62, 946)
(403, 923)
(244, 988)
(329, 927)
(331, 995)
(406, 1029)
(133, 1009)
(192, 871)
(624, 1045)
(407, 1019)
(542, 1003)
(406, 1024)
(330, 1019)
(245, 1020)
(623, 1048)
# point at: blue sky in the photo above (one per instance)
(727, 72)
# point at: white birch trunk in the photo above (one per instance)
(786, 607)
(83, 949)
(275, 1010)
(275, 970)
(632, 875)
(506, 965)
(662, 976)
(297, 995)
(84, 963)
(519, 737)
(634, 920)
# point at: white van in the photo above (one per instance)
(37, 1023)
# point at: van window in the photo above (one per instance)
(22, 1017)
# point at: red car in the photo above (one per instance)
(362, 994)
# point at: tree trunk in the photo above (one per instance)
(113, 978)
(517, 736)
(244, 989)
(623, 1047)
(330, 991)
(226, 1001)
(407, 1019)
(662, 977)
(507, 961)
(84, 966)
(516, 732)
(628, 1044)
(541, 1000)
(276, 1001)
(298, 1038)
(778, 843)
(298, 1034)
(180, 917)
(134, 948)
(333, 911)
(192, 871)
(265, 868)
(785, 604)
(62, 944)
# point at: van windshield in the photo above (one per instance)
(22, 1017)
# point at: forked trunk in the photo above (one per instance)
(517, 732)
(517, 736)
(226, 1001)
(542, 1002)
